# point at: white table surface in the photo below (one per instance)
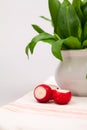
(27, 114)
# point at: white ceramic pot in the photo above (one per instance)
(72, 72)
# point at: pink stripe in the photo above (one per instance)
(27, 108)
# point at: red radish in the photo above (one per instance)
(42, 93)
(54, 88)
(62, 96)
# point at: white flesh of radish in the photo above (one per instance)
(62, 91)
(40, 92)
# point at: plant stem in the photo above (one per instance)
(57, 36)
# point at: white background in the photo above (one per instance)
(18, 75)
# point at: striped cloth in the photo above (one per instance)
(27, 114)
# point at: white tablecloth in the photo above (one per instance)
(27, 114)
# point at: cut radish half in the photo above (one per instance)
(42, 93)
(54, 88)
(62, 96)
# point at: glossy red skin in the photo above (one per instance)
(53, 90)
(51, 98)
(62, 98)
(48, 93)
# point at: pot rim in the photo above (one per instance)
(74, 53)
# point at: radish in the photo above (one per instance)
(54, 88)
(43, 93)
(62, 96)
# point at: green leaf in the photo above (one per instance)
(85, 31)
(45, 18)
(54, 6)
(50, 40)
(72, 43)
(41, 37)
(77, 6)
(84, 44)
(37, 28)
(56, 49)
(27, 50)
(64, 47)
(84, 9)
(68, 23)
(56, 36)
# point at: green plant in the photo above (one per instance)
(69, 22)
